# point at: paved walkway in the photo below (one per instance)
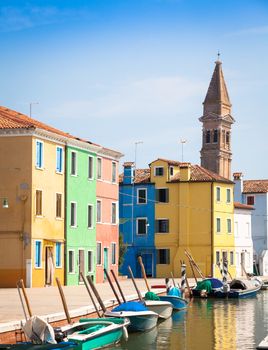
(44, 301)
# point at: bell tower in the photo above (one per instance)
(217, 121)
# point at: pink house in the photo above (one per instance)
(107, 234)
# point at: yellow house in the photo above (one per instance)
(32, 183)
(194, 211)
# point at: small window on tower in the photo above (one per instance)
(215, 136)
(208, 136)
(227, 138)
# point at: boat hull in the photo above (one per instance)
(162, 308)
(30, 346)
(232, 293)
(178, 303)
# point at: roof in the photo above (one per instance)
(142, 176)
(239, 205)
(255, 186)
(170, 162)
(10, 119)
(200, 174)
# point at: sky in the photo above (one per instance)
(121, 71)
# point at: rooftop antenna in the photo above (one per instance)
(32, 103)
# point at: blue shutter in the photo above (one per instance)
(58, 254)
(37, 254)
(39, 154)
(59, 160)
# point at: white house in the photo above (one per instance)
(243, 238)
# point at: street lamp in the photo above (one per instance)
(182, 141)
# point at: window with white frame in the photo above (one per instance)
(163, 256)
(113, 246)
(38, 203)
(218, 221)
(98, 211)
(59, 159)
(99, 168)
(98, 253)
(218, 194)
(114, 213)
(89, 261)
(162, 225)
(229, 225)
(90, 216)
(39, 161)
(73, 214)
(141, 195)
(90, 167)
(58, 254)
(158, 171)
(228, 195)
(71, 268)
(141, 226)
(113, 172)
(73, 163)
(58, 205)
(38, 254)
(218, 257)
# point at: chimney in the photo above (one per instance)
(238, 188)
(128, 173)
(185, 171)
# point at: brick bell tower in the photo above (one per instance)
(217, 121)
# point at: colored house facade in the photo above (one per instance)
(80, 213)
(137, 220)
(198, 206)
(107, 217)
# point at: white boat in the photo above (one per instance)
(162, 308)
(263, 344)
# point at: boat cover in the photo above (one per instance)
(239, 284)
(38, 331)
(215, 283)
(130, 306)
(151, 296)
(204, 285)
(174, 291)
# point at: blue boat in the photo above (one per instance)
(207, 287)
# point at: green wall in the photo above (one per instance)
(81, 190)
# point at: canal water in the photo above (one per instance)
(208, 324)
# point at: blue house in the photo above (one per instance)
(137, 218)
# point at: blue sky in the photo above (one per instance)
(120, 71)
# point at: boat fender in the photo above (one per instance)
(125, 333)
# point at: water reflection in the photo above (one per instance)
(208, 324)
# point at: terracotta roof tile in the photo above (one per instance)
(239, 205)
(128, 164)
(142, 176)
(255, 186)
(170, 162)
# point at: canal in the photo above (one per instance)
(209, 324)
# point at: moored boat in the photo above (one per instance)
(263, 344)
(178, 303)
(162, 308)
(239, 289)
(207, 287)
(31, 346)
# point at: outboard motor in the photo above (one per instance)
(59, 335)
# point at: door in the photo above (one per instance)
(49, 266)
(105, 260)
(81, 263)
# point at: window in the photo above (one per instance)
(98, 253)
(208, 136)
(38, 254)
(218, 194)
(228, 195)
(58, 254)
(59, 159)
(227, 137)
(71, 261)
(38, 203)
(90, 216)
(113, 172)
(90, 167)
(99, 168)
(141, 226)
(114, 213)
(163, 256)
(218, 257)
(113, 245)
(73, 214)
(215, 136)
(39, 154)
(158, 171)
(231, 258)
(162, 195)
(218, 225)
(162, 225)
(142, 196)
(90, 261)
(58, 205)
(171, 171)
(229, 225)
(98, 211)
(73, 163)
(250, 200)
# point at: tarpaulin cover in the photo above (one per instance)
(130, 306)
(215, 283)
(204, 285)
(174, 291)
(151, 296)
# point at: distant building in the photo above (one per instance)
(137, 220)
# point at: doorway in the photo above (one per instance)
(49, 266)
(81, 264)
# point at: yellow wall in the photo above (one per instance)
(47, 228)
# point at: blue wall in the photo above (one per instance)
(137, 244)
